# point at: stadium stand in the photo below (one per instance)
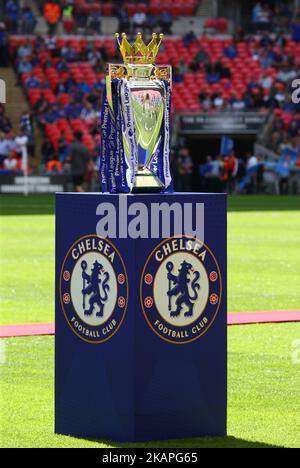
(87, 15)
(205, 77)
(109, 8)
(11, 140)
(18, 16)
(62, 75)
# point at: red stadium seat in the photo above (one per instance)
(107, 9)
(222, 25)
(210, 24)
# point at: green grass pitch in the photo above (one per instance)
(264, 272)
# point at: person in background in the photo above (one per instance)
(295, 26)
(12, 10)
(5, 124)
(139, 20)
(214, 175)
(256, 13)
(50, 43)
(94, 22)
(124, 22)
(237, 102)
(184, 171)
(218, 102)
(10, 163)
(177, 76)
(28, 20)
(26, 127)
(239, 35)
(212, 75)
(47, 150)
(280, 40)
(20, 143)
(52, 13)
(266, 81)
(26, 122)
(6, 146)
(231, 51)
(4, 48)
(230, 171)
(285, 169)
(79, 158)
(33, 82)
(260, 175)
(286, 74)
(205, 101)
(182, 67)
(80, 17)
(165, 22)
(63, 148)
(88, 113)
(219, 172)
(261, 16)
(251, 162)
(189, 38)
(24, 66)
(25, 50)
(62, 65)
(67, 17)
(222, 70)
(54, 166)
(201, 56)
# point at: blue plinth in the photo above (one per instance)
(141, 335)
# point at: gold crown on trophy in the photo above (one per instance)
(139, 52)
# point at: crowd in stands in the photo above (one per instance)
(243, 73)
(264, 16)
(233, 174)
(17, 16)
(4, 46)
(63, 80)
(87, 15)
(270, 15)
(12, 141)
(63, 76)
(218, 174)
(285, 131)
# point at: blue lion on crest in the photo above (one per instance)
(97, 280)
(181, 288)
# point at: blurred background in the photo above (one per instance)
(235, 125)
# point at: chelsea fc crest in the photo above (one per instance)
(94, 289)
(181, 289)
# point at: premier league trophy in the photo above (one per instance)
(135, 124)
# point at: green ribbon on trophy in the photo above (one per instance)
(135, 121)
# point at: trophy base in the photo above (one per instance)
(146, 182)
